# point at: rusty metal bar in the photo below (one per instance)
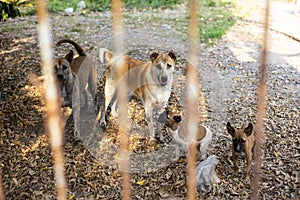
(122, 100)
(261, 109)
(2, 197)
(191, 122)
(117, 19)
(53, 120)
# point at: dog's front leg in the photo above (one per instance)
(155, 127)
(158, 125)
(234, 158)
(109, 92)
(248, 165)
(102, 114)
(149, 118)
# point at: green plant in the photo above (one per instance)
(59, 5)
(98, 5)
(105, 5)
(151, 3)
(216, 17)
(11, 8)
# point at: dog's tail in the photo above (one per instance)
(77, 46)
(105, 55)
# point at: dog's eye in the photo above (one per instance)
(158, 66)
(169, 66)
(65, 67)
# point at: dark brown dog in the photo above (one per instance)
(67, 70)
(243, 140)
(65, 78)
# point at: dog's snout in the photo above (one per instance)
(164, 78)
(238, 145)
(238, 148)
(177, 119)
(60, 77)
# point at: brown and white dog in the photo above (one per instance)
(203, 136)
(150, 81)
(67, 69)
(243, 141)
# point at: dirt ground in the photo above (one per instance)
(229, 73)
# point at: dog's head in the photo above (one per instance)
(170, 119)
(162, 67)
(240, 136)
(62, 68)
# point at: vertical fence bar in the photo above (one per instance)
(2, 197)
(191, 123)
(122, 100)
(261, 109)
(53, 123)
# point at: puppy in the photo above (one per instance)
(150, 81)
(243, 140)
(68, 69)
(202, 138)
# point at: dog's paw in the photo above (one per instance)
(103, 125)
(247, 178)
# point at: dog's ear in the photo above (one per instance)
(105, 55)
(69, 56)
(172, 55)
(153, 56)
(248, 129)
(230, 129)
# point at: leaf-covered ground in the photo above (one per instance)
(229, 75)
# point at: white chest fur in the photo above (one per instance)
(160, 95)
